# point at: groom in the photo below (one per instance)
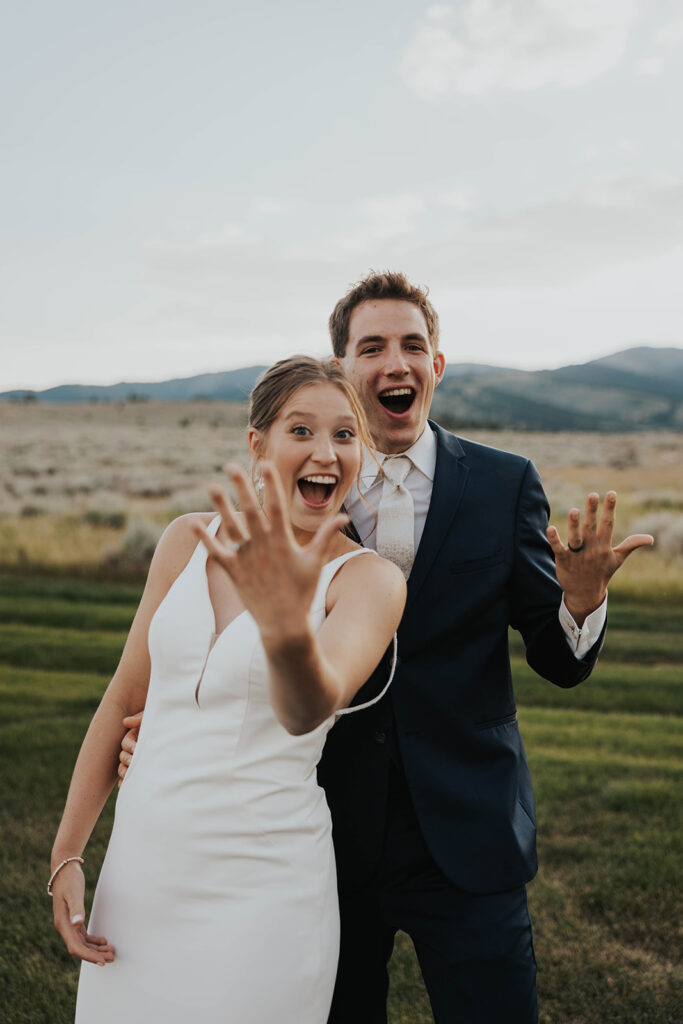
(430, 793)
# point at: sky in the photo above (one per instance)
(190, 187)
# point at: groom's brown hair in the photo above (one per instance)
(386, 284)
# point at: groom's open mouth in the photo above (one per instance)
(397, 401)
(317, 490)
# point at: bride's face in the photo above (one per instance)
(315, 447)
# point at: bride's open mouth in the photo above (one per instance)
(397, 401)
(317, 490)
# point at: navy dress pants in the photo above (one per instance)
(475, 951)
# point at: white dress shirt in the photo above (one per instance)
(362, 506)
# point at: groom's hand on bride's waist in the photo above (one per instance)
(132, 723)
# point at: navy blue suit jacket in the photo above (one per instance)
(483, 564)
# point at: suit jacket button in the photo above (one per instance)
(380, 737)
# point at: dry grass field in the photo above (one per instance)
(88, 488)
(84, 493)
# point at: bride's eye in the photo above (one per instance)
(346, 434)
(300, 430)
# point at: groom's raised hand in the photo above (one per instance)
(588, 562)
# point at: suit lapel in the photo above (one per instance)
(450, 478)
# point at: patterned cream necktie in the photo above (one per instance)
(395, 515)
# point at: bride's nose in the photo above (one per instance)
(323, 451)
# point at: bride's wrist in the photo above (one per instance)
(287, 637)
(56, 869)
(61, 853)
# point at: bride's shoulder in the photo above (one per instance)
(172, 554)
(373, 577)
(182, 529)
(383, 570)
(179, 539)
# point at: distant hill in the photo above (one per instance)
(637, 389)
(231, 386)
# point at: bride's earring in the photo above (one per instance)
(260, 487)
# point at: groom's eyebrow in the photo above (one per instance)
(368, 339)
(413, 336)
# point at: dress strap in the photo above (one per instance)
(330, 570)
(369, 703)
(200, 554)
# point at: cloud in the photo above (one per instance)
(486, 46)
(383, 219)
(270, 205)
(591, 152)
(232, 235)
(568, 323)
(665, 41)
(438, 12)
(601, 265)
(670, 36)
(221, 299)
(609, 222)
(649, 66)
(457, 198)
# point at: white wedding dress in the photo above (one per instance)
(218, 889)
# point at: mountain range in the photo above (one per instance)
(637, 389)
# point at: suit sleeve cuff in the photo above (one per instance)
(581, 640)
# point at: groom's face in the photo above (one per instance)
(392, 364)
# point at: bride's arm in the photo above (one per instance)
(96, 767)
(312, 675)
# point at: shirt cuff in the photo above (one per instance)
(581, 640)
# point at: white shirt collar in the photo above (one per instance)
(422, 454)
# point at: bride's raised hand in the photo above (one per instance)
(275, 576)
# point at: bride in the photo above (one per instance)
(217, 897)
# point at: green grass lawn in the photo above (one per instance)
(605, 757)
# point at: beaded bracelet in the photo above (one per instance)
(58, 869)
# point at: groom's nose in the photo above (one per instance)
(395, 363)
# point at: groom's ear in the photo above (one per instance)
(439, 367)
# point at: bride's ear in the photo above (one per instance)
(255, 442)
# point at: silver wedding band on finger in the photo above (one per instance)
(579, 548)
(237, 545)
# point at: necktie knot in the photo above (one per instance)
(396, 469)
